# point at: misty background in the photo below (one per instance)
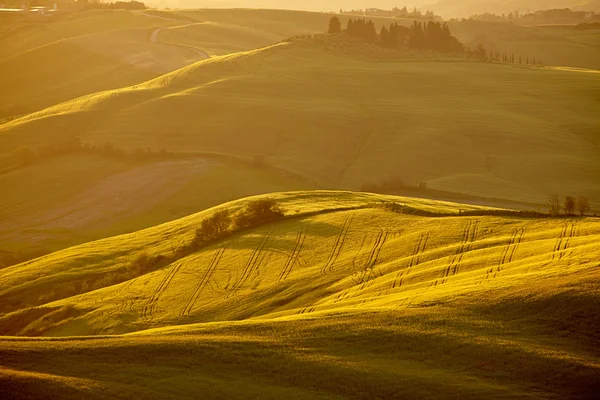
(445, 8)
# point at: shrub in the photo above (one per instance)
(258, 212)
(213, 228)
(144, 263)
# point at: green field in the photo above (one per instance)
(461, 126)
(342, 299)
(485, 129)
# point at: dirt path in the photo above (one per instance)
(154, 39)
(156, 32)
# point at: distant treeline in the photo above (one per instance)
(543, 17)
(23, 156)
(425, 36)
(394, 12)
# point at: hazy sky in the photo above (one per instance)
(446, 8)
(314, 5)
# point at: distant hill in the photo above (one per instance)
(465, 8)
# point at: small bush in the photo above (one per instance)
(213, 228)
(258, 212)
(144, 263)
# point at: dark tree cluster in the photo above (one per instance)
(570, 205)
(425, 36)
(362, 29)
(433, 36)
(394, 36)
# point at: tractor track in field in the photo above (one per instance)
(294, 255)
(254, 260)
(469, 236)
(338, 245)
(204, 280)
(367, 276)
(126, 305)
(508, 254)
(382, 237)
(149, 308)
(569, 234)
(415, 260)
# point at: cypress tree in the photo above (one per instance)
(384, 37)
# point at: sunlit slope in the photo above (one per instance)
(486, 129)
(342, 299)
(352, 256)
(84, 64)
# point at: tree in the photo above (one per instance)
(480, 52)
(335, 26)
(554, 204)
(370, 32)
(583, 205)
(385, 37)
(569, 205)
(258, 212)
(213, 227)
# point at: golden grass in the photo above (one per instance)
(350, 303)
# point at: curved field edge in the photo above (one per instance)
(338, 253)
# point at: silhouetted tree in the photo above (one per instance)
(554, 204)
(569, 205)
(583, 205)
(258, 212)
(335, 26)
(213, 227)
(384, 37)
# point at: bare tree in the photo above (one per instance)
(554, 204)
(569, 205)
(583, 205)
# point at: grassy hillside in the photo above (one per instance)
(558, 46)
(227, 31)
(485, 129)
(64, 201)
(345, 298)
(83, 54)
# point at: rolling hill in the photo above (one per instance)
(351, 294)
(256, 117)
(485, 129)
